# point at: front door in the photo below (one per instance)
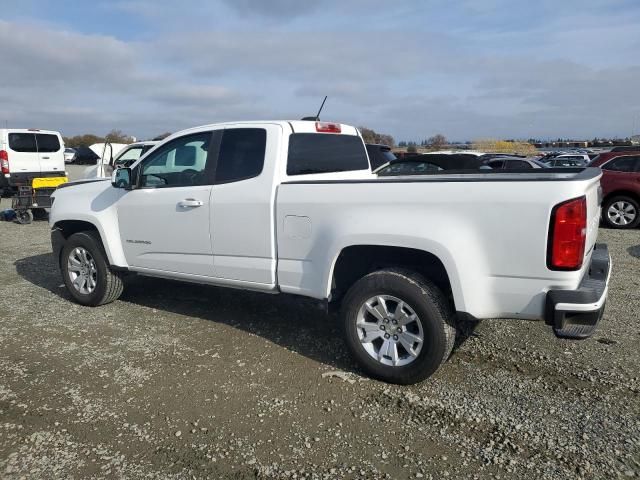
(164, 222)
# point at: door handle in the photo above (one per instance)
(45, 158)
(190, 203)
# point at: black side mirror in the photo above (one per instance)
(121, 178)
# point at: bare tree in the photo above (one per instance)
(438, 141)
(117, 136)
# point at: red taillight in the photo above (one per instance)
(567, 235)
(327, 127)
(4, 161)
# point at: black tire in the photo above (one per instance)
(435, 314)
(623, 200)
(24, 217)
(40, 214)
(109, 285)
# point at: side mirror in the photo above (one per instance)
(121, 178)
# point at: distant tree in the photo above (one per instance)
(371, 136)
(412, 148)
(438, 141)
(162, 136)
(82, 140)
(504, 146)
(117, 136)
(402, 144)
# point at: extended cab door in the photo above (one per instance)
(164, 222)
(242, 206)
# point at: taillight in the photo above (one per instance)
(4, 161)
(328, 127)
(567, 235)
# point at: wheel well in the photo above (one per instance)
(618, 193)
(69, 227)
(357, 261)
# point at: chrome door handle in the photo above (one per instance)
(190, 203)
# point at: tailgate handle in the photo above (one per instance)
(190, 203)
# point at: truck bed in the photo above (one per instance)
(490, 231)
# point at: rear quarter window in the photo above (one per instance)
(324, 153)
(47, 142)
(23, 142)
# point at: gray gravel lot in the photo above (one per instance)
(186, 381)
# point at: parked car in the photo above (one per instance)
(379, 155)
(26, 154)
(514, 163)
(565, 162)
(604, 157)
(85, 156)
(621, 191)
(69, 154)
(569, 160)
(428, 163)
(293, 207)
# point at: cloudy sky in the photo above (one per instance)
(468, 69)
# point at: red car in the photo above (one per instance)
(602, 158)
(620, 189)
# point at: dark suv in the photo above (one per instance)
(621, 191)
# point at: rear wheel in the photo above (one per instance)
(86, 272)
(398, 325)
(621, 211)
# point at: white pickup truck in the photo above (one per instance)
(292, 207)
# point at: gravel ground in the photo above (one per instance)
(186, 381)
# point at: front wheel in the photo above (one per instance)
(86, 272)
(621, 211)
(398, 325)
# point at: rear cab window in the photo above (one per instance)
(314, 153)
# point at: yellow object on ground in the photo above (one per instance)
(48, 182)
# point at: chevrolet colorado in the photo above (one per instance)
(293, 207)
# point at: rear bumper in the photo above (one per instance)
(575, 313)
(24, 178)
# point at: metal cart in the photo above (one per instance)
(31, 200)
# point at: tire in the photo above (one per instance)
(101, 284)
(435, 324)
(621, 211)
(40, 214)
(24, 217)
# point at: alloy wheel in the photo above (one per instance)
(82, 270)
(389, 330)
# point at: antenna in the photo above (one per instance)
(317, 117)
(321, 106)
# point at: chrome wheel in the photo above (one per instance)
(389, 330)
(621, 213)
(82, 271)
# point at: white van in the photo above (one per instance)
(29, 153)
